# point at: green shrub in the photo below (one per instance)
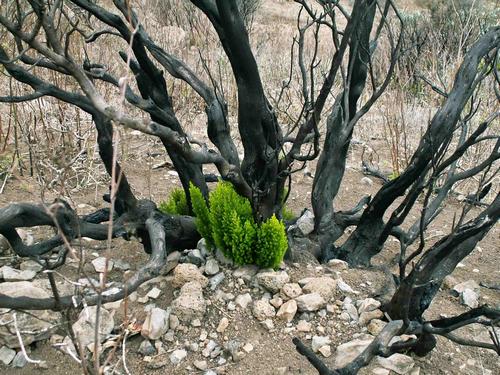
(201, 213)
(271, 243)
(229, 225)
(176, 204)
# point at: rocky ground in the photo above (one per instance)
(203, 315)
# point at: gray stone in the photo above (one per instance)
(122, 265)
(287, 311)
(233, 347)
(246, 272)
(100, 264)
(216, 280)
(273, 281)
(399, 363)
(211, 267)
(19, 360)
(324, 286)
(202, 246)
(310, 302)
(262, 309)
(172, 262)
(146, 348)
(177, 356)
(84, 327)
(195, 257)
(6, 355)
(319, 341)
(187, 272)
(190, 304)
(4, 245)
(305, 223)
(35, 325)
(11, 274)
(351, 310)
(222, 259)
(156, 323)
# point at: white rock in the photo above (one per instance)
(350, 350)
(6, 355)
(399, 363)
(344, 287)
(367, 304)
(243, 300)
(273, 281)
(223, 324)
(154, 293)
(35, 325)
(324, 286)
(85, 326)
(190, 304)
(337, 265)
(460, 288)
(326, 351)
(262, 309)
(376, 326)
(211, 267)
(187, 272)
(30, 265)
(367, 316)
(156, 323)
(303, 326)
(248, 347)
(287, 311)
(200, 365)
(319, 341)
(306, 223)
(100, 264)
(177, 356)
(291, 290)
(310, 302)
(11, 274)
(469, 298)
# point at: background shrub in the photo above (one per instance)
(176, 203)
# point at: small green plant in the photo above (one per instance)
(229, 225)
(176, 203)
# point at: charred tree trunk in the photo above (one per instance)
(331, 164)
(125, 199)
(418, 289)
(368, 238)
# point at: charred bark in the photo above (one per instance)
(367, 239)
(332, 161)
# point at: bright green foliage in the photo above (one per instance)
(202, 214)
(271, 243)
(176, 204)
(229, 225)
